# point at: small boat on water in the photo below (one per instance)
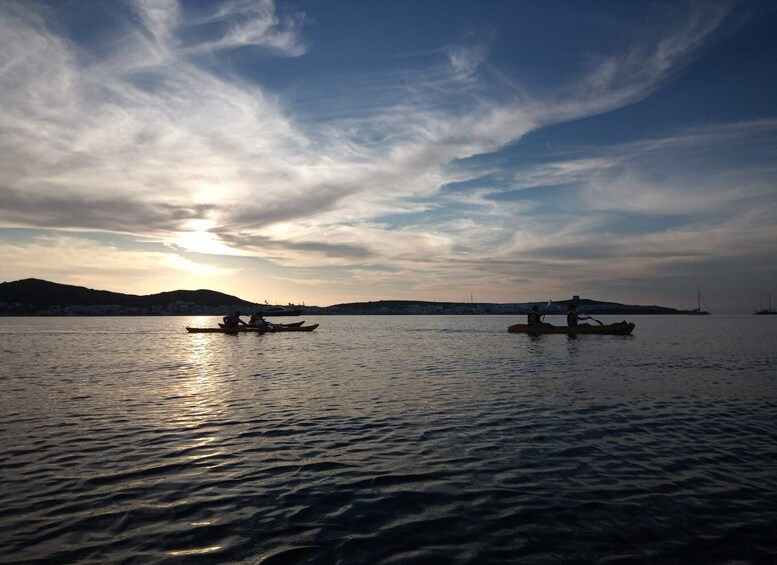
(264, 328)
(250, 329)
(271, 311)
(766, 311)
(287, 328)
(698, 311)
(621, 328)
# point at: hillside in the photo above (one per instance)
(35, 296)
(43, 298)
(409, 307)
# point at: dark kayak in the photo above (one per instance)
(621, 328)
(249, 329)
(275, 325)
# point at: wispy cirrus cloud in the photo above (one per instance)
(466, 59)
(249, 23)
(236, 141)
(153, 137)
(613, 81)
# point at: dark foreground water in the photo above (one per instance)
(388, 440)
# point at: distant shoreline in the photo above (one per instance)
(5, 315)
(36, 298)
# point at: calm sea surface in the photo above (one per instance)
(398, 439)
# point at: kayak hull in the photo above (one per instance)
(621, 328)
(285, 328)
(248, 329)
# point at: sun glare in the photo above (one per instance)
(183, 264)
(199, 239)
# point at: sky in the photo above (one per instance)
(329, 151)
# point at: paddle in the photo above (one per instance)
(587, 317)
(542, 318)
(594, 319)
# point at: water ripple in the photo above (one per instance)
(427, 439)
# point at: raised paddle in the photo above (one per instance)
(594, 319)
(542, 318)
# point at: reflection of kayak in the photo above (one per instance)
(248, 329)
(621, 328)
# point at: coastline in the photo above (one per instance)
(35, 297)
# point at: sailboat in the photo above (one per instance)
(766, 311)
(698, 311)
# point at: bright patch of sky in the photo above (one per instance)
(326, 152)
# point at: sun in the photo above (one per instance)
(199, 239)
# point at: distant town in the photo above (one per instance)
(35, 297)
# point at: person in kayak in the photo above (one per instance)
(233, 320)
(258, 321)
(535, 318)
(573, 316)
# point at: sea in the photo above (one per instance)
(388, 439)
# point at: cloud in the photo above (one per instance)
(122, 214)
(656, 208)
(75, 260)
(617, 80)
(250, 23)
(142, 133)
(563, 172)
(296, 250)
(698, 172)
(594, 260)
(148, 138)
(160, 18)
(466, 59)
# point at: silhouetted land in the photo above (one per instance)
(39, 297)
(35, 297)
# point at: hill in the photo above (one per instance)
(409, 307)
(35, 296)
